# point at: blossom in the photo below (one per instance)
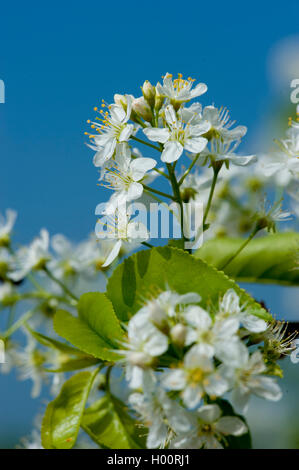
(284, 164)
(167, 306)
(178, 136)
(33, 257)
(180, 91)
(249, 378)
(196, 377)
(229, 307)
(277, 342)
(145, 343)
(220, 122)
(30, 363)
(213, 338)
(210, 430)
(120, 228)
(161, 415)
(268, 216)
(113, 129)
(6, 226)
(8, 294)
(125, 178)
(224, 150)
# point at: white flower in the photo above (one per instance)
(33, 257)
(221, 124)
(8, 294)
(125, 178)
(114, 129)
(229, 307)
(180, 91)
(30, 362)
(6, 262)
(224, 150)
(249, 378)
(93, 253)
(195, 378)
(145, 343)
(211, 429)
(178, 136)
(285, 163)
(6, 226)
(161, 415)
(168, 306)
(123, 230)
(268, 216)
(213, 338)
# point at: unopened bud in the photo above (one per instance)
(159, 100)
(142, 109)
(178, 334)
(120, 100)
(140, 359)
(149, 92)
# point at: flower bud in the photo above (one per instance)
(178, 334)
(4, 241)
(120, 100)
(140, 359)
(142, 109)
(149, 92)
(159, 100)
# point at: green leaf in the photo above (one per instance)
(53, 343)
(270, 259)
(96, 330)
(77, 363)
(163, 268)
(108, 423)
(63, 415)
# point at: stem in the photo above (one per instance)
(253, 233)
(147, 244)
(154, 169)
(188, 170)
(212, 189)
(148, 188)
(60, 283)
(11, 316)
(19, 323)
(177, 195)
(107, 385)
(161, 172)
(145, 143)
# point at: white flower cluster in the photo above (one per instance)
(162, 116)
(180, 357)
(35, 281)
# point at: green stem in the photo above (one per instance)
(189, 169)
(212, 189)
(253, 233)
(11, 316)
(60, 283)
(177, 196)
(145, 143)
(147, 244)
(160, 193)
(19, 323)
(108, 374)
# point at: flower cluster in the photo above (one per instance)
(163, 121)
(36, 280)
(181, 357)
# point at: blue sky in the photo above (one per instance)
(59, 59)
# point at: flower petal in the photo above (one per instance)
(172, 152)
